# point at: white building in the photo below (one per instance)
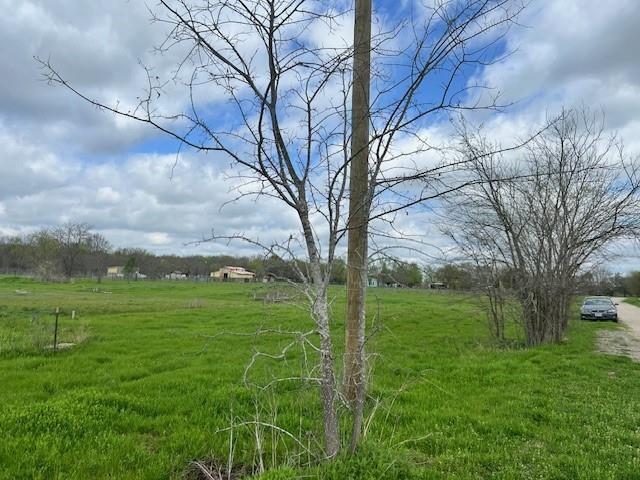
(238, 274)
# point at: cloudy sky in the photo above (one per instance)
(63, 160)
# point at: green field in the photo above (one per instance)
(633, 301)
(151, 382)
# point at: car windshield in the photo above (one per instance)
(597, 301)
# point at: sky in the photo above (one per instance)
(63, 160)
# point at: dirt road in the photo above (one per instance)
(623, 341)
(629, 315)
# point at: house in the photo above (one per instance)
(118, 272)
(382, 281)
(176, 275)
(115, 272)
(238, 274)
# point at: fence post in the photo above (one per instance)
(55, 331)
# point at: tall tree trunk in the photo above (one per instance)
(320, 312)
(359, 204)
(327, 375)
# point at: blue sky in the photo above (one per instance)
(63, 160)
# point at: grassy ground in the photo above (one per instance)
(148, 387)
(633, 301)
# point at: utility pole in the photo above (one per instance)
(359, 204)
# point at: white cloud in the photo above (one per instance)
(572, 52)
(99, 48)
(135, 196)
(62, 159)
(107, 195)
(158, 238)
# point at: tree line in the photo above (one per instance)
(75, 250)
(598, 281)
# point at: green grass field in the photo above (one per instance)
(633, 301)
(148, 387)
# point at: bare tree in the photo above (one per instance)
(15, 253)
(45, 252)
(98, 253)
(289, 135)
(547, 211)
(73, 241)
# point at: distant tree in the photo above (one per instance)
(413, 275)
(145, 261)
(73, 241)
(15, 253)
(632, 284)
(428, 274)
(280, 268)
(596, 281)
(339, 271)
(620, 286)
(98, 254)
(456, 276)
(129, 269)
(256, 265)
(45, 251)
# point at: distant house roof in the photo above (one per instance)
(233, 272)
